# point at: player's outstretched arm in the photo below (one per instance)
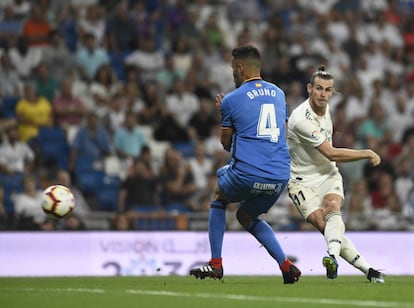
(346, 155)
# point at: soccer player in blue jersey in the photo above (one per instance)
(253, 120)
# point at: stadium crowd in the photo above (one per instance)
(115, 99)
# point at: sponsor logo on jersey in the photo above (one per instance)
(315, 134)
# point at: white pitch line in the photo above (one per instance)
(322, 301)
(69, 290)
(239, 297)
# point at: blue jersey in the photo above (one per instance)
(257, 113)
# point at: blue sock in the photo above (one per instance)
(216, 227)
(265, 235)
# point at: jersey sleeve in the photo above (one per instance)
(309, 133)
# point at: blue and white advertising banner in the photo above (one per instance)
(174, 253)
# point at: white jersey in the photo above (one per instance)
(306, 131)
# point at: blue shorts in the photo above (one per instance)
(255, 194)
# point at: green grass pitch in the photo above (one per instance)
(181, 291)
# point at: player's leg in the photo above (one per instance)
(308, 203)
(247, 216)
(216, 229)
(353, 257)
(335, 226)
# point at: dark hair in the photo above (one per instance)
(321, 73)
(246, 52)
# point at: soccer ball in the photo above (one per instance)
(57, 201)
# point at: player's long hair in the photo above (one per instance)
(323, 74)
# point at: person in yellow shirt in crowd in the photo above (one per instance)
(32, 113)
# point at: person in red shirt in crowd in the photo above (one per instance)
(36, 28)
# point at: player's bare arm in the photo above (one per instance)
(226, 137)
(219, 99)
(226, 132)
(346, 155)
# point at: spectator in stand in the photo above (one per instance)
(16, 157)
(170, 129)
(401, 119)
(220, 72)
(10, 25)
(16, 160)
(182, 103)
(140, 190)
(133, 97)
(387, 206)
(10, 81)
(372, 173)
(67, 24)
(147, 58)
(166, 75)
(76, 220)
(408, 146)
(115, 116)
(102, 88)
(93, 22)
(181, 54)
(91, 141)
(214, 148)
(46, 83)
(358, 210)
(178, 182)
(36, 28)
(68, 109)
(154, 104)
(203, 120)
(190, 26)
(90, 58)
(381, 30)
(128, 140)
(57, 57)
(294, 95)
(121, 222)
(404, 184)
(32, 113)
(373, 129)
(21, 8)
(357, 104)
(197, 80)
(24, 58)
(27, 204)
(201, 167)
(4, 224)
(121, 32)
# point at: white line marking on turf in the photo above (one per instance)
(322, 301)
(73, 290)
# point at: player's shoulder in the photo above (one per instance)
(301, 112)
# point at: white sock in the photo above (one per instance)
(334, 232)
(352, 256)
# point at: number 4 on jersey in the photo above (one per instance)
(267, 124)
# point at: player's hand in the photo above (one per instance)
(219, 99)
(374, 158)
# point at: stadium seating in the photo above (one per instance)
(8, 107)
(53, 146)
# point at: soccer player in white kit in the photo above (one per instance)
(315, 184)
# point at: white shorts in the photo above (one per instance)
(308, 199)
